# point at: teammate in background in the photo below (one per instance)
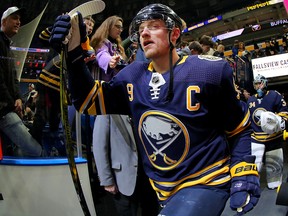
(48, 86)
(11, 110)
(48, 101)
(269, 114)
(30, 103)
(193, 132)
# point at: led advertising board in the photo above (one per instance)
(271, 66)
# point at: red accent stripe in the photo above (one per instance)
(1, 153)
(286, 5)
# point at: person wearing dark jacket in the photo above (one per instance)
(10, 101)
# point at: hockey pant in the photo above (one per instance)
(273, 163)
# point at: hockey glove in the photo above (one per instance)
(271, 123)
(82, 27)
(77, 34)
(60, 31)
(245, 189)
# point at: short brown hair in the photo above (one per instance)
(195, 45)
(206, 40)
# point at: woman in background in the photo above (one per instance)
(106, 42)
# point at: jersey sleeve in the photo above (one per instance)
(282, 109)
(95, 97)
(235, 117)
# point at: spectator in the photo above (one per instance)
(195, 48)
(131, 47)
(270, 48)
(11, 110)
(235, 49)
(207, 45)
(89, 22)
(257, 53)
(285, 38)
(241, 48)
(274, 43)
(220, 51)
(106, 42)
(184, 48)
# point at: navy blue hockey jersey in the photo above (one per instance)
(190, 140)
(274, 102)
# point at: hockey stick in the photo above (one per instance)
(69, 142)
(86, 9)
(89, 8)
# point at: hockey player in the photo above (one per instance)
(268, 115)
(193, 133)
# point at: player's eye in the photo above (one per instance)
(151, 28)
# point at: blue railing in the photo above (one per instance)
(7, 160)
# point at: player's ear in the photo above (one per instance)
(175, 34)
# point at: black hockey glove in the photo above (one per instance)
(60, 31)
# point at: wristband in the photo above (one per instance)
(244, 168)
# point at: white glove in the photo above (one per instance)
(271, 123)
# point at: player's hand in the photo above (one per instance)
(245, 193)
(271, 123)
(18, 105)
(77, 34)
(113, 189)
(245, 190)
(18, 108)
(60, 31)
